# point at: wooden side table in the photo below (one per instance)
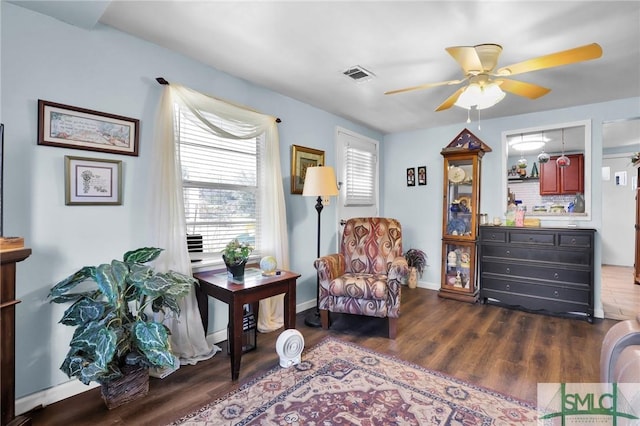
(236, 294)
(8, 302)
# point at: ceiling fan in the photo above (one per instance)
(479, 66)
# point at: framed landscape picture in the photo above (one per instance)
(72, 127)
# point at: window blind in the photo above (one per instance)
(220, 183)
(360, 173)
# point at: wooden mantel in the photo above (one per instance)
(8, 302)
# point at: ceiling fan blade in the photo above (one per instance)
(467, 57)
(424, 86)
(566, 57)
(451, 100)
(520, 88)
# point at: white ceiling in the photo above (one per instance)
(301, 48)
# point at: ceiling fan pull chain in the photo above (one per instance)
(479, 128)
(469, 115)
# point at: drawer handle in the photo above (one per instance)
(556, 276)
(530, 238)
(507, 287)
(508, 252)
(493, 236)
(508, 270)
(556, 294)
(573, 241)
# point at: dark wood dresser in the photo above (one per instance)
(541, 269)
(8, 302)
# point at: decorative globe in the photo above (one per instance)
(543, 157)
(522, 163)
(268, 265)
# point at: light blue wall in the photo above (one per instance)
(106, 70)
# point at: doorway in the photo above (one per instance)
(618, 210)
(620, 296)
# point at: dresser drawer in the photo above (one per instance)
(530, 254)
(496, 235)
(552, 273)
(533, 238)
(559, 293)
(575, 240)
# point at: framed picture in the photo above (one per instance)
(422, 175)
(301, 158)
(411, 176)
(91, 181)
(71, 127)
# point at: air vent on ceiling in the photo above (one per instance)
(358, 74)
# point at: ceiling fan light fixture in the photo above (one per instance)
(480, 96)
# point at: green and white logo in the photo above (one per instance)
(616, 404)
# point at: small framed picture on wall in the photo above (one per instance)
(422, 175)
(411, 176)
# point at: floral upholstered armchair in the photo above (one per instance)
(365, 277)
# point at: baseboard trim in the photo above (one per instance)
(429, 286)
(75, 387)
(52, 395)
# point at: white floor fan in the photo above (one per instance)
(289, 346)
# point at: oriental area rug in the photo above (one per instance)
(342, 383)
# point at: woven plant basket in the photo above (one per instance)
(133, 385)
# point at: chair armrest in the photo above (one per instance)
(398, 270)
(622, 335)
(396, 276)
(329, 267)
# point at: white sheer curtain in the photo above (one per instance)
(169, 232)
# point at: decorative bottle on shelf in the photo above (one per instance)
(520, 212)
(578, 203)
(534, 171)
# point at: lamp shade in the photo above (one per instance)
(319, 182)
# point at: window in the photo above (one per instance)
(220, 181)
(360, 173)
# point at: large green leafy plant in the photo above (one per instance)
(114, 321)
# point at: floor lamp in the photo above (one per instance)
(318, 182)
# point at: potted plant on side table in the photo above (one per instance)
(235, 256)
(116, 338)
(417, 261)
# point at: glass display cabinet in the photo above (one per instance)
(460, 214)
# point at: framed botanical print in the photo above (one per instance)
(92, 181)
(301, 159)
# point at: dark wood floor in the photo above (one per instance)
(506, 350)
